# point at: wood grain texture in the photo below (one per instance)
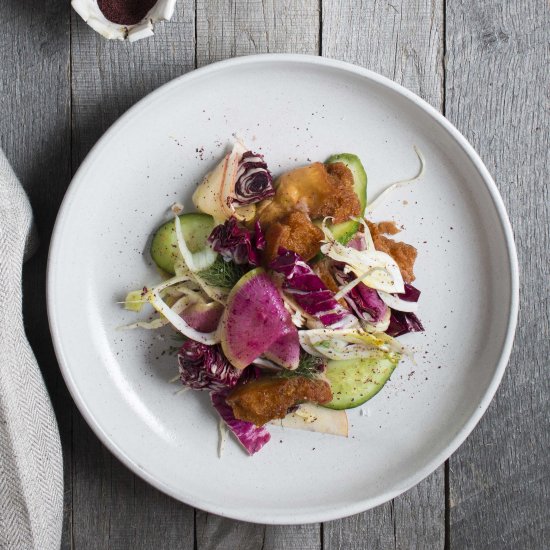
(245, 27)
(108, 77)
(498, 86)
(112, 508)
(495, 89)
(402, 40)
(217, 533)
(35, 135)
(228, 29)
(416, 519)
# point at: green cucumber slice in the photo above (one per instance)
(196, 229)
(355, 381)
(344, 231)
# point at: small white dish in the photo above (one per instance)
(292, 109)
(90, 12)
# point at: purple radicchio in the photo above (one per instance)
(405, 301)
(307, 289)
(251, 437)
(363, 300)
(402, 323)
(253, 180)
(236, 243)
(205, 367)
(411, 294)
(358, 242)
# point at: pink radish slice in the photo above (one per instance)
(203, 317)
(254, 318)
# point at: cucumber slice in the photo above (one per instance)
(344, 231)
(196, 229)
(355, 381)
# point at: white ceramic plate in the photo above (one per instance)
(292, 109)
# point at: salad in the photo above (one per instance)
(287, 299)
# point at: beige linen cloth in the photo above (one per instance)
(31, 467)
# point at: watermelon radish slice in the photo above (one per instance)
(254, 319)
(203, 317)
(285, 351)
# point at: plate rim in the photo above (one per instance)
(307, 515)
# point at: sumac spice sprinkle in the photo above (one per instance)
(125, 12)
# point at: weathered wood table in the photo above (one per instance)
(484, 63)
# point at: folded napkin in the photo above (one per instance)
(31, 467)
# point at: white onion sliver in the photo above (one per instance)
(371, 206)
(157, 323)
(197, 261)
(396, 303)
(267, 364)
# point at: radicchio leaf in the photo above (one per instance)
(253, 181)
(307, 289)
(363, 300)
(402, 323)
(252, 437)
(236, 243)
(411, 294)
(259, 237)
(205, 367)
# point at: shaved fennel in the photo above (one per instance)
(347, 344)
(381, 326)
(376, 269)
(154, 297)
(180, 305)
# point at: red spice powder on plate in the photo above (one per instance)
(125, 12)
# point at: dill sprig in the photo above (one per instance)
(309, 367)
(223, 274)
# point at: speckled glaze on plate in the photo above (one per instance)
(293, 109)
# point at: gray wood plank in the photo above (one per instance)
(499, 484)
(218, 533)
(246, 27)
(35, 134)
(402, 40)
(497, 94)
(227, 29)
(108, 77)
(115, 509)
(112, 508)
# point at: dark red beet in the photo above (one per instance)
(125, 12)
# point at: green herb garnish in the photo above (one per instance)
(309, 367)
(223, 274)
